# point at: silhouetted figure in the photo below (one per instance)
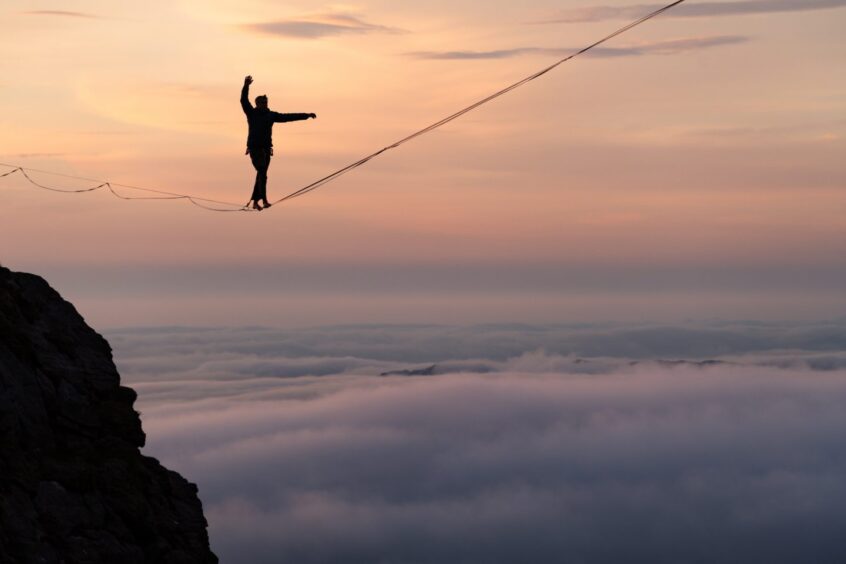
(260, 138)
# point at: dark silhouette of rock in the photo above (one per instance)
(694, 363)
(74, 486)
(427, 371)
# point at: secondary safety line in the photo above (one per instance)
(110, 186)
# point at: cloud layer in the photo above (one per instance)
(152, 351)
(694, 10)
(303, 453)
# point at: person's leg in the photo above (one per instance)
(259, 159)
(268, 156)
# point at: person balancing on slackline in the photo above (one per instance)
(260, 139)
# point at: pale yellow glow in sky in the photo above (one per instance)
(726, 151)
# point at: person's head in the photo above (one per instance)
(261, 101)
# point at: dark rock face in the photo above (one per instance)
(74, 487)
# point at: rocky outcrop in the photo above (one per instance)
(74, 486)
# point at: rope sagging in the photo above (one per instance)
(110, 186)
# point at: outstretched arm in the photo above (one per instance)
(245, 96)
(281, 118)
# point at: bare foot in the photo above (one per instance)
(266, 204)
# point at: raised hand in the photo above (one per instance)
(248, 80)
(312, 116)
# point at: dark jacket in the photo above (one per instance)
(261, 122)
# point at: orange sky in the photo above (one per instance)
(699, 141)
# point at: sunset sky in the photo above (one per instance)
(608, 305)
(692, 168)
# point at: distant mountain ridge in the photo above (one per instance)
(427, 371)
(74, 486)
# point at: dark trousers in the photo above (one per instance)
(261, 161)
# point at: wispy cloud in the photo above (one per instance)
(494, 54)
(320, 26)
(669, 47)
(694, 10)
(36, 155)
(64, 13)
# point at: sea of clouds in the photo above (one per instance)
(565, 443)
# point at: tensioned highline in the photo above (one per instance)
(205, 203)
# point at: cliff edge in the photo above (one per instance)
(74, 486)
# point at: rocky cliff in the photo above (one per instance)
(74, 486)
